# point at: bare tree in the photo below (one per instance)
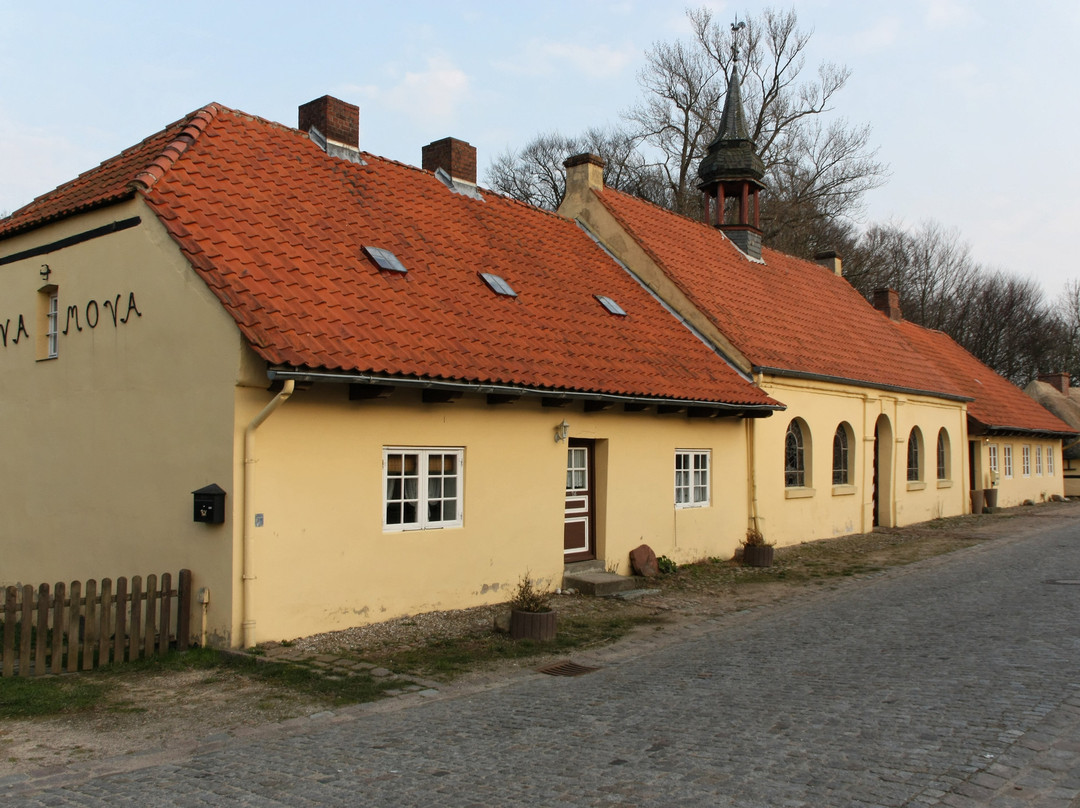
(1001, 319)
(817, 171)
(535, 174)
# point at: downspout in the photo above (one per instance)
(751, 474)
(248, 550)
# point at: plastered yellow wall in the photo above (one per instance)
(104, 444)
(324, 562)
(821, 510)
(1037, 485)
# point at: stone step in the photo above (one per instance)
(600, 583)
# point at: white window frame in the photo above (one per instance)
(52, 326)
(1049, 461)
(693, 482)
(1007, 457)
(993, 453)
(1038, 461)
(1025, 460)
(423, 498)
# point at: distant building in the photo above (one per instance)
(1053, 391)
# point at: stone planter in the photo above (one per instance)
(532, 625)
(990, 499)
(977, 500)
(758, 555)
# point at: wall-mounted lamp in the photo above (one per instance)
(562, 431)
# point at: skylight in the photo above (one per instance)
(611, 305)
(498, 285)
(384, 259)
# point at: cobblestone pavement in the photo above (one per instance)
(951, 682)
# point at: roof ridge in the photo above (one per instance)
(196, 125)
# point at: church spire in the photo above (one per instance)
(730, 173)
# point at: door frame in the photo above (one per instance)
(588, 513)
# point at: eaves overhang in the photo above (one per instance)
(312, 376)
(977, 427)
(892, 388)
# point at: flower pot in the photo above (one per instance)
(532, 625)
(976, 500)
(990, 499)
(758, 555)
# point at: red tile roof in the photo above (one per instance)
(998, 404)
(276, 228)
(115, 179)
(784, 314)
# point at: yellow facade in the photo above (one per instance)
(1020, 468)
(876, 421)
(109, 438)
(324, 560)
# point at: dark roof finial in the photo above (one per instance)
(735, 28)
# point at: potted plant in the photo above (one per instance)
(756, 552)
(531, 615)
(990, 496)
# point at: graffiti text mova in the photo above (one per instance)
(95, 313)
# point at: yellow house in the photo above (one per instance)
(1054, 392)
(410, 392)
(886, 423)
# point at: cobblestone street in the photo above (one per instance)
(949, 682)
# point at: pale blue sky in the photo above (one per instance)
(973, 103)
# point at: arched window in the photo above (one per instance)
(942, 454)
(914, 455)
(794, 459)
(841, 457)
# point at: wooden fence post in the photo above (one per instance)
(151, 615)
(42, 630)
(120, 630)
(73, 627)
(183, 610)
(56, 663)
(27, 630)
(135, 628)
(90, 630)
(10, 601)
(106, 622)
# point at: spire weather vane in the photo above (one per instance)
(735, 28)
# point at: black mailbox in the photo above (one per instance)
(210, 504)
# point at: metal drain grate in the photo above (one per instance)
(567, 668)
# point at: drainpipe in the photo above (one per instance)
(248, 550)
(751, 473)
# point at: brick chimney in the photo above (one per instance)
(456, 157)
(338, 121)
(887, 301)
(1059, 381)
(830, 259)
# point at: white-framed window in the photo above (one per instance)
(423, 488)
(1038, 461)
(1007, 457)
(691, 478)
(914, 455)
(993, 450)
(1025, 462)
(943, 452)
(841, 456)
(795, 456)
(52, 325)
(1050, 461)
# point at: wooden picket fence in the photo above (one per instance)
(73, 627)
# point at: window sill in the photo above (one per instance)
(944, 483)
(689, 506)
(798, 493)
(916, 485)
(843, 490)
